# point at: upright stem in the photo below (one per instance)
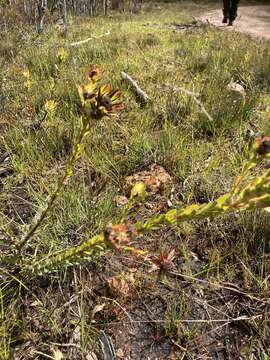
(248, 166)
(40, 216)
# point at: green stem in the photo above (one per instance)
(254, 195)
(40, 216)
(254, 160)
(95, 244)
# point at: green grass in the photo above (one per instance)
(201, 156)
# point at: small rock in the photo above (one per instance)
(121, 200)
(156, 179)
(237, 91)
(121, 286)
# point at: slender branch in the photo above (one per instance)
(142, 96)
(197, 321)
(194, 97)
(81, 42)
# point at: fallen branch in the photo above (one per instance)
(77, 43)
(194, 97)
(228, 320)
(73, 44)
(196, 23)
(140, 94)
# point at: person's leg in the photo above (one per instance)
(233, 11)
(226, 10)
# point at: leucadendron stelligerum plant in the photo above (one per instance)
(248, 192)
(97, 101)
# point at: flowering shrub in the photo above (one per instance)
(98, 101)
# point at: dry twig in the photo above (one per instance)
(194, 97)
(141, 95)
(77, 43)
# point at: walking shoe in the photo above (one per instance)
(225, 20)
(230, 23)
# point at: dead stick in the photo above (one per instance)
(88, 39)
(142, 96)
(195, 98)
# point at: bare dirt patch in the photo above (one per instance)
(252, 20)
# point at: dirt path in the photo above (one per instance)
(252, 20)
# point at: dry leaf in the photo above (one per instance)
(262, 145)
(97, 309)
(58, 355)
(120, 354)
(119, 286)
(91, 356)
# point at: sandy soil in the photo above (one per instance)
(252, 20)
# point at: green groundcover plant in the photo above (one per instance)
(249, 191)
